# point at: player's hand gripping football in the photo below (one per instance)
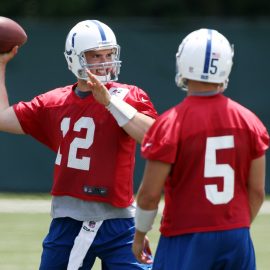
(99, 90)
(7, 56)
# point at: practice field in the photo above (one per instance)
(24, 221)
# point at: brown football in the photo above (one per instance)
(11, 34)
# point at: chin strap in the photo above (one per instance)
(104, 79)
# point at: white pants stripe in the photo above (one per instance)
(82, 244)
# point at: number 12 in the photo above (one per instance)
(77, 143)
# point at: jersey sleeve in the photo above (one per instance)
(161, 141)
(32, 119)
(261, 139)
(141, 101)
(134, 96)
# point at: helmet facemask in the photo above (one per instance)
(105, 71)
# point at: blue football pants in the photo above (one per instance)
(112, 244)
(223, 250)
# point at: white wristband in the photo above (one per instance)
(121, 111)
(144, 219)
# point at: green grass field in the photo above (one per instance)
(21, 235)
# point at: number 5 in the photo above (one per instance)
(212, 169)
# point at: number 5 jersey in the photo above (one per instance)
(211, 141)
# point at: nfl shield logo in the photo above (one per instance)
(92, 224)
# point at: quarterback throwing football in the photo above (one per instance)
(92, 126)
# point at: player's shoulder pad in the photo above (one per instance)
(119, 92)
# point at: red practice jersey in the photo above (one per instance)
(95, 157)
(211, 142)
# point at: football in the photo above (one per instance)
(11, 34)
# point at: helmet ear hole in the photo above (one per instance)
(86, 36)
(204, 55)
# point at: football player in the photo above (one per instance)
(208, 153)
(92, 126)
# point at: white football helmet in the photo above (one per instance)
(92, 35)
(204, 55)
